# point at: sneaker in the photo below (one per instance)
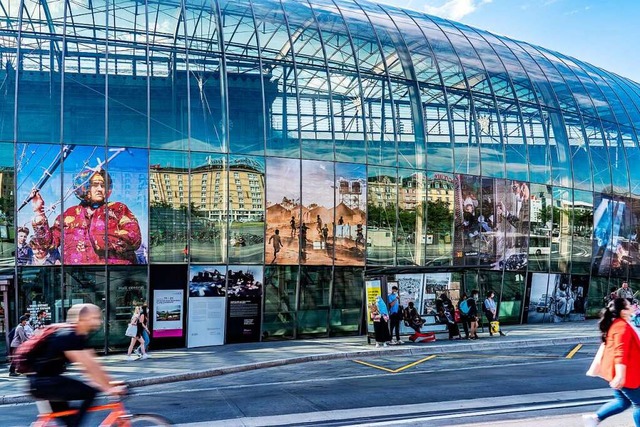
(144, 356)
(377, 345)
(129, 358)
(384, 345)
(400, 342)
(590, 420)
(137, 351)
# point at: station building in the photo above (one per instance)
(247, 168)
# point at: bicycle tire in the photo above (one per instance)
(147, 420)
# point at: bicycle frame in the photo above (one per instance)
(117, 413)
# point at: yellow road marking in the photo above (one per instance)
(371, 365)
(414, 363)
(400, 369)
(574, 351)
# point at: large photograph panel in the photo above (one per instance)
(285, 234)
(318, 208)
(350, 213)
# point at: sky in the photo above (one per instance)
(602, 33)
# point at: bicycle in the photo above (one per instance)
(118, 416)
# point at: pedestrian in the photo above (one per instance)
(380, 326)
(41, 320)
(490, 309)
(412, 318)
(463, 309)
(473, 314)
(625, 292)
(395, 314)
(143, 320)
(19, 337)
(28, 329)
(136, 336)
(446, 315)
(293, 226)
(617, 363)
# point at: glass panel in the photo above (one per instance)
(441, 191)
(612, 223)
(7, 207)
(318, 210)
(279, 301)
(582, 231)
(87, 285)
(246, 84)
(350, 213)
(514, 212)
(511, 297)
(8, 74)
(39, 288)
(345, 316)
(246, 209)
(540, 240)
(599, 288)
(84, 74)
(315, 294)
(582, 168)
(411, 217)
(127, 290)
(382, 194)
(562, 230)
(208, 208)
(169, 195)
(467, 243)
(127, 75)
(284, 213)
(38, 168)
(168, 102)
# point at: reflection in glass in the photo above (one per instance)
(127, 289)
(613, 236)
(541, 238)
(582, 231)
(315, 292)
(86, 285)
(382, 200)
(8, 249)
(350, 213)
(168, 202)
(207, 207)
(562, 227)
(279, 301)
(468, 239)
(511, 297)
(39, 288)
(346, 301)
(246, 209)
(440, 213)
(411, 217)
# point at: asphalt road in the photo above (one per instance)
(339, 389)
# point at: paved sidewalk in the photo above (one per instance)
(167, 366)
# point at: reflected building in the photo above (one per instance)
(375, 140)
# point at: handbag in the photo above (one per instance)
(132, 331)
(595, 370)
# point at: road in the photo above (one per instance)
(434, 390)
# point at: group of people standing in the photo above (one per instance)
(386, 319)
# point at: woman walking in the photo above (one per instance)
(619, 363)
(137, 335)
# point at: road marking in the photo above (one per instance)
(573, 352)
(400, 369)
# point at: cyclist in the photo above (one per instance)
(69, 345)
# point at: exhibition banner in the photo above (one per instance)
(207, 291)
(167, 306)
(374, 290)
(244, 303)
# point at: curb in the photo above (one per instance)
(458, 347)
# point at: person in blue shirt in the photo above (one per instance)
(491, 310)
(395, 314)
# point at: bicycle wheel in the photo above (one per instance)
(148, 420)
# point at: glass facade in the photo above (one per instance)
(316, 140)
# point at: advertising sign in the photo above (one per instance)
(244, 303)
(168, 312)
(374, 290)
(207, 291)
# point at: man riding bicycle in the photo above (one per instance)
(69, 345)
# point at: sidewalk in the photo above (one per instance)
(166, 366)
